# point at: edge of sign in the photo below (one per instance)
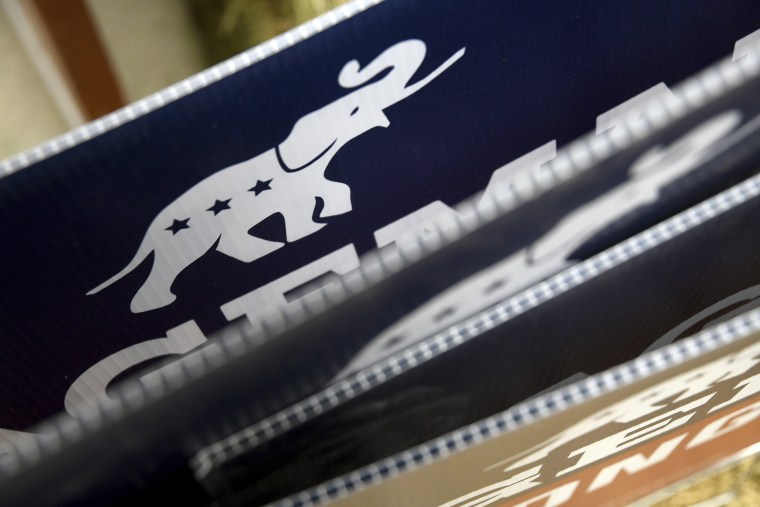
(185, 87)
(529, 411)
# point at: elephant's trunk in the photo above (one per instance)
(404, 59)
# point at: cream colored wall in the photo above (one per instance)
(151, 43)
(28, 115)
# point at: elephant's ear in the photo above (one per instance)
(306, 148)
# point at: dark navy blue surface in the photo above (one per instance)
(533, 71)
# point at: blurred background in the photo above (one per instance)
(66, 62)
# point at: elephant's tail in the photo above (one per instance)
(139, 257)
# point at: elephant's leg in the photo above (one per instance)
(336, 197)
(298, 219)
(156, 291)
(244, 247)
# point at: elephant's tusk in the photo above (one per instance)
(411, 89)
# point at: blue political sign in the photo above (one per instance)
(152, 226)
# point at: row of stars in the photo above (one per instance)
(219, 206)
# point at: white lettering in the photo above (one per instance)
(747, 388)
(272, 296)
(726, 424)
(629, 437)
(415, 226)
(636, 463)
(498, 491)
(553, 497)
(682, 387)
(90, 388)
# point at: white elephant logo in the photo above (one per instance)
(287, 181)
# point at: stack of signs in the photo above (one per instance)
(248, 192)
(642, 294)
(669, 416)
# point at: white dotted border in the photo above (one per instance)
(184, 87)
(528, 412)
